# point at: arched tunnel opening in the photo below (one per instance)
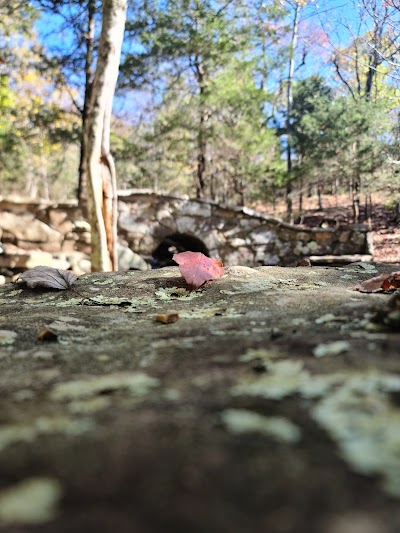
(178, 242)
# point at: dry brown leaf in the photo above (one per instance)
(384, 282)
(46, 334)
(47, 278)
(305, 262)
(167, 318)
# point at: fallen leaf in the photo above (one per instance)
(46, 334)
(47, 277)
(305, 262)
(197, 268)
(384, 282)
(167, 318)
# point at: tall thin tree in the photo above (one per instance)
(100, 163)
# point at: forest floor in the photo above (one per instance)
(385, 229)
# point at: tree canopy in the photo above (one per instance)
(213, 98)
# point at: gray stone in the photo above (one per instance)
(194, 208)
(186, 224)
(128, 260)
(222, 421)
(27, 228)
(262, 236)
(213, 239)
(271, 260)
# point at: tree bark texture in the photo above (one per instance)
(83, 178)
(293, 42)
(100, 164)
(201, 137)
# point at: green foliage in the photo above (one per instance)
(351, 137)
(36, 125)
(209, 79)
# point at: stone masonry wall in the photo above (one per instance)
(238, 236)
(56, 234)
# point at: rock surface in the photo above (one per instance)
(271, 404)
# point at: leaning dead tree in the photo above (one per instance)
(100, 163)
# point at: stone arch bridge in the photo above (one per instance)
(152, 222)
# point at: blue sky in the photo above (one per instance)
(339, 18)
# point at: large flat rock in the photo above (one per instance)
(271, 404)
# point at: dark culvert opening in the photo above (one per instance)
(178, 242)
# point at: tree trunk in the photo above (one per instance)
(100, 164)
(83, 178)
(319, 194)
(301, 196)
(201, 138)
(293, 42)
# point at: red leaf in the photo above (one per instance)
(196, 268)
(383, 282)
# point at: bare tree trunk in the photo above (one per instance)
(336, 182)
(201, 138)
(274, 192)
(100, 164)
(83, 177)
(319, 194)
(301, 196)
(355, 196)
(368, 207)
(293, 42)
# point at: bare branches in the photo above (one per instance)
(342, 78)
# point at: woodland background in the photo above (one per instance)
(241, 101)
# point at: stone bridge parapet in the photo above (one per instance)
(236, 235)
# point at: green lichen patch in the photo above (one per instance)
(137, 384)
(176, 293)
(110, 300)
(244, 421)
(331, 348)
(13, 433)
(44, 298)
(107, 281)
(7, 337)
(330, 317)
(210, 312)
(89, 406)
(366, 426)
(354, 408)
(14, 292)
(283, 378)
(32, 501)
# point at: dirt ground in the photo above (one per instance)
(385, 229)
